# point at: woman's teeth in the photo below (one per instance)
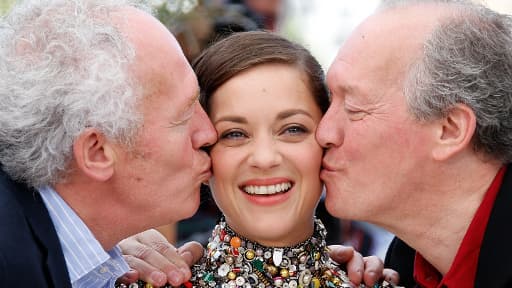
(268, 189)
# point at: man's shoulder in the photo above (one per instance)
(400, 257)
(496, 241)
(15, 233)
(27, 257)
(11, 210)
(20, 253)
(8, 188)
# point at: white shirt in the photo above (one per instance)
(89, 265)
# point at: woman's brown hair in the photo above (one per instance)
(241, 51)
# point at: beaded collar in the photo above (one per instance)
(232, 261)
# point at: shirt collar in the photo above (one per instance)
(82, 251)
(463, 269)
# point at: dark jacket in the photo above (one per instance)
(30, 251)
(495, 261)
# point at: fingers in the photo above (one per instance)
(353, 261)
(355, 268)
(191, 252)
(341, 254)
(373, 269)
(391, 276)
(129, 277)
(368, 270)
(144, 271)
(164, 256)
(155, 259)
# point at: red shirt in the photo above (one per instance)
(463, 270)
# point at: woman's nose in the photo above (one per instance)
(265, 153)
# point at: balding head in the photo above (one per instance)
(465, 57)
(410, 26)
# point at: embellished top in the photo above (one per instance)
(232, 261)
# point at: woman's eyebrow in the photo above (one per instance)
(288, 113)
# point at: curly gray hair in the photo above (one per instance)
(63, 68)
(467, 59)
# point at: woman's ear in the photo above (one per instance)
(454, 132)
(94, 155)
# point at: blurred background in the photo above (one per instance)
(321, 26)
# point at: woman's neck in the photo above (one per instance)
(287, 236)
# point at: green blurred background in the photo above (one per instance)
(4, 5)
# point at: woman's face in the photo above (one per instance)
(266, 162)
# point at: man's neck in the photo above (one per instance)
(96, 211)
(441, 218)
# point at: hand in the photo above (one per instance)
(368, 270)
(156, 261)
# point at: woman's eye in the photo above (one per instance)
(295, 130)
(233, 138)
(294, 133)
(232, 135)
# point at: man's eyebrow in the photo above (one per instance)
(184, 115)
(190, 103)
(345, 88)
(193, 100)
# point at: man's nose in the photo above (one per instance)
(206, 135)
(330, 131)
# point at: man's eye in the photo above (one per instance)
(183, 120)
(355, 114)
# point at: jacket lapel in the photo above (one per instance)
(43, 230)
(495, 260)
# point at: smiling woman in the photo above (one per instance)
(257, 153)
(265, 96)
(266, 161)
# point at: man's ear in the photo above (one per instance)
(454, 132)
(94, 155)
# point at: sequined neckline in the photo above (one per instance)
(319, 232)
(231, 260)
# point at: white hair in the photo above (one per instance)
(467, 59)
(63, 68)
